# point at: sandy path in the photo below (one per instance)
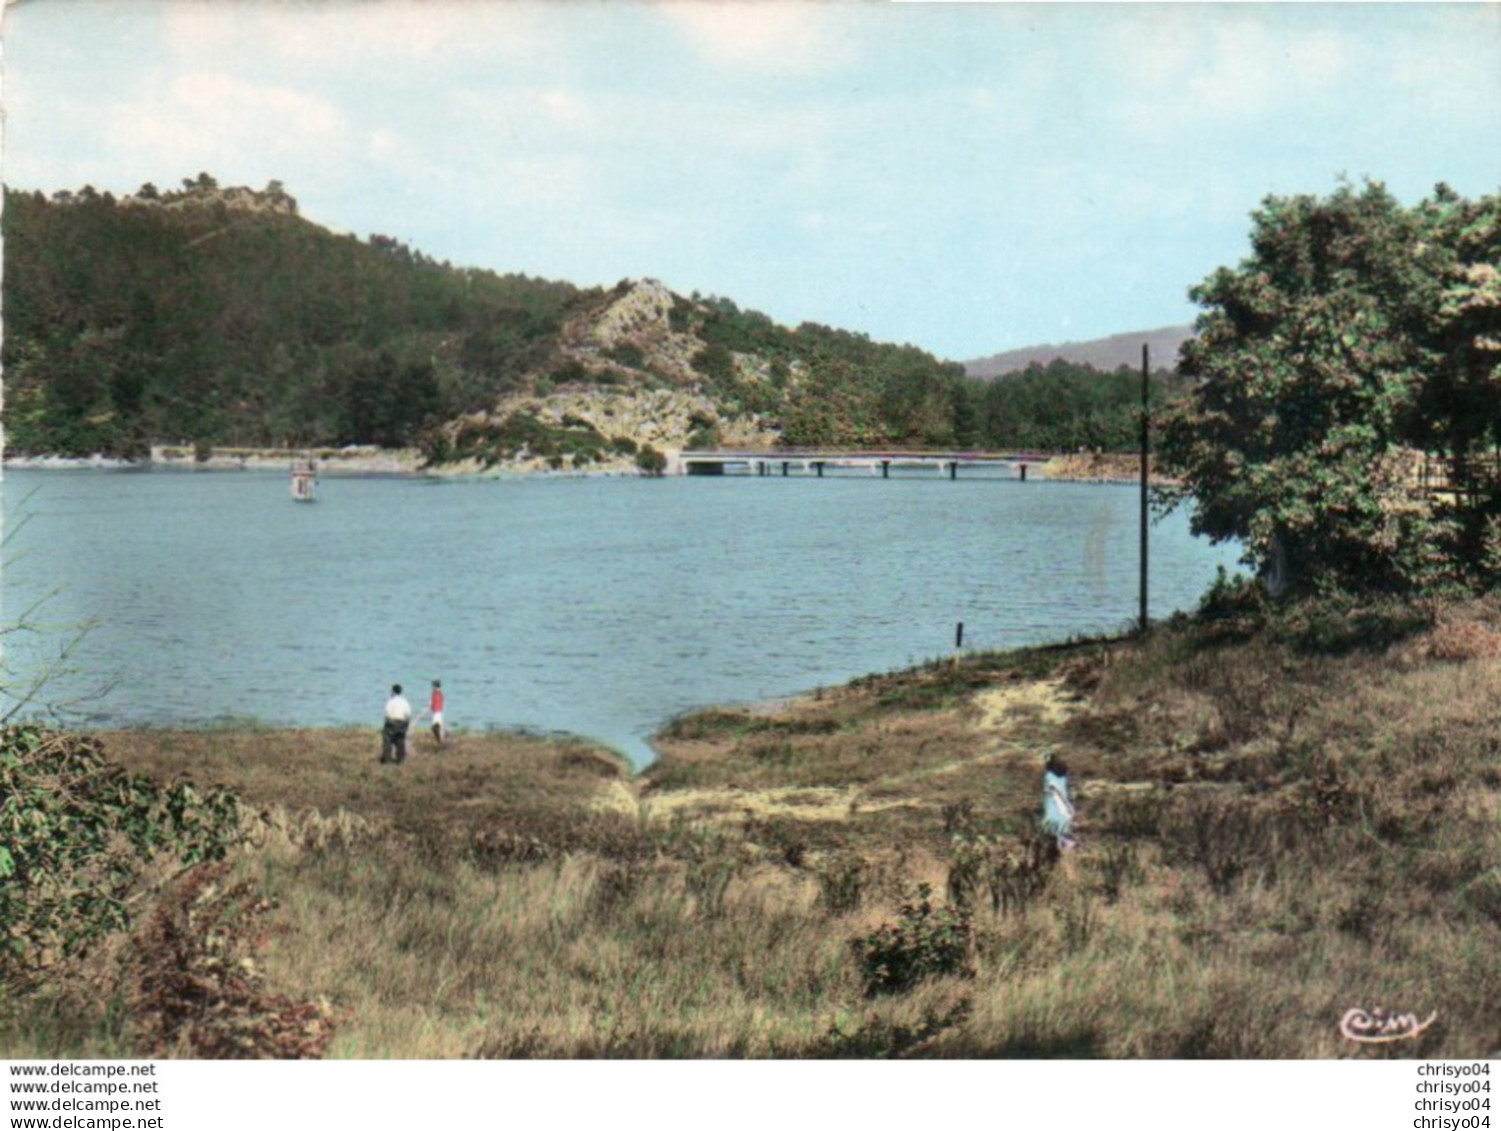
(1006, 729)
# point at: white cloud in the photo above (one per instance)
(346, 33)
(537, 120)
(1189, 70)
(1321, 59)
(1241, 73)
(766, 36)
(1461, 87)
(550, 183)
(1185, 67)
(205, 120)
(383, 145)
(660, 132)
(562, 108)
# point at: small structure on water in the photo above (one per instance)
(305, 480)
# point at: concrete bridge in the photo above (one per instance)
(879, 464)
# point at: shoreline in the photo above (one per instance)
(331, 461)
(348, 462)
(355, 460)
(665, 736)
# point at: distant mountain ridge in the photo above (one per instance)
(1105, 354)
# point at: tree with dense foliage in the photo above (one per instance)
(1357, 339)
(1065, 406)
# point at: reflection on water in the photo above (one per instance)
(595, 606)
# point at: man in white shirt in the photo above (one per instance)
(393, 736)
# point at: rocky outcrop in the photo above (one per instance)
(621, 422)
(621, 380)
(664, 418)
(641, 315)
(238, 198)
(632, 331)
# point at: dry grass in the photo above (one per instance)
(1279, 822)
(473, 784)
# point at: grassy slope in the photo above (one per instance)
(1278, 824)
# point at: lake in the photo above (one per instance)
(596, 606)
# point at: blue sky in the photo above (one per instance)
(966, 177)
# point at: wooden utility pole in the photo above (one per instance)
(1145, 441)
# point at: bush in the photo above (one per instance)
(1459, 641)
(76, 834)
(714, 362)
(651, 461)
(571, 372)
(628, 354)
(1232, 595)
(924, 943)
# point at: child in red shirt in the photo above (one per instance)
(435, 708)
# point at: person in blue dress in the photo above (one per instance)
(1057, 802)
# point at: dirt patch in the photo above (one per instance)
(1004, 710)
(619, 797)
(1102, 467)
(799, 803)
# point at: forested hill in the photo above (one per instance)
(221, 316)
(211, 315)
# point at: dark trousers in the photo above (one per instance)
(393, 741)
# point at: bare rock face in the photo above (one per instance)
(622, 371)
(638, 316)
(664, 418)
(635, 323)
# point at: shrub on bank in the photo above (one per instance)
(924, 942)
(81, 842)
(650, 461)
(77, 834)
